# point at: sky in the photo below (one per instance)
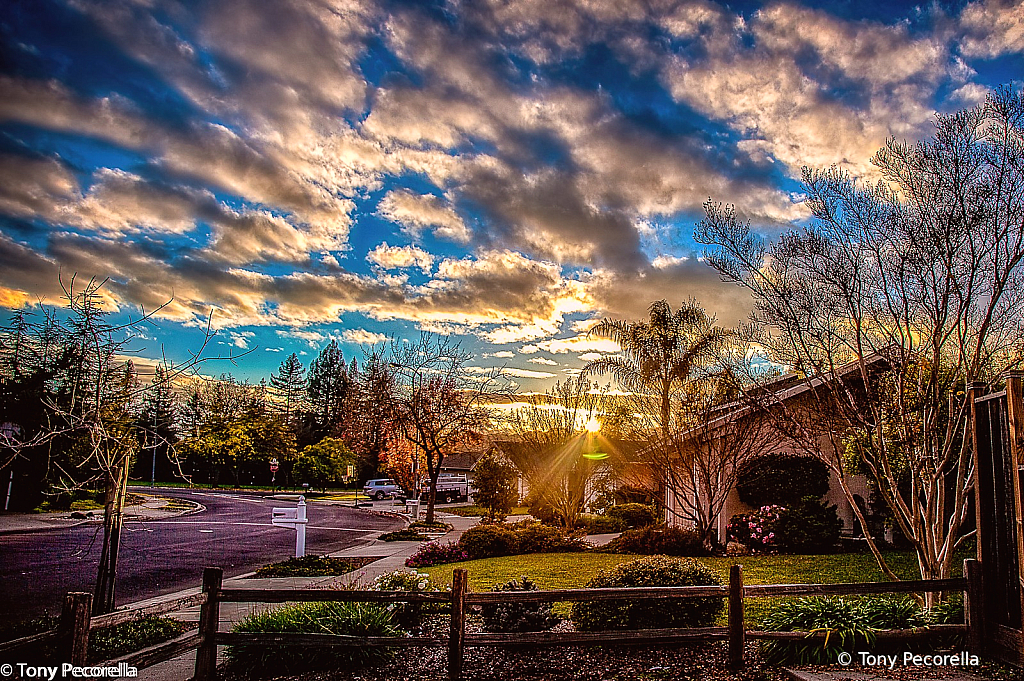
(506, 172)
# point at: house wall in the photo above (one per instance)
(835, 496)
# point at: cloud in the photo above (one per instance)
(590, 356)
(501, 354)
(776, 79)
(240, 339)
(526, 373)
(543, 360)
(398, 257)
(584, 343)
(992, 28)
(364, 337)
(419, 212)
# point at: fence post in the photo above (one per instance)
(737, 630)
(74, 626)
(974, 607)
(456, 637)
(209, 622)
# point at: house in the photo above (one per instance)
(766, 417)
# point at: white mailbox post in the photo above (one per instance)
(294, 518)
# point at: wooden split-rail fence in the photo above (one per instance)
(75, 623)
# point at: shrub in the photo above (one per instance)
(488, 541)
(669, 541)
(406, 615)
(353, 619)
(307, 566)
(436, 553)
(842, 619)
(435, 526)
(755, 530)
(111, 642)
(892, 612)
(536, 538)
(850, 624)
(809, 526)
(518, 616)
(950, 611)
(540, 508)
(645, 613)
(601, 524)
(408, 534)
(634, 515)
(495, 481)
(782, 479)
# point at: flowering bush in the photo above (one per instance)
(406, 615)
(436, 553)
(756, 530)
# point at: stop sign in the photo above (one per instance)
(273, 465)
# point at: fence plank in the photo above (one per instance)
(854, 589)
(606, 594)
(974, 607)
(736, 626)
(319, 595)
(457, 634)
(27, 641)
(888, 635)
(74, 626)
(617, 637)
(316, 640)
(209, 622)
(122, 616)
(161, 652)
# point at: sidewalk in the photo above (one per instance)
(153, 507)
(392, 557)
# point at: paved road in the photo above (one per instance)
(157, 557)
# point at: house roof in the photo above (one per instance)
(788, 387)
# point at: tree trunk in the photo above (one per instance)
(113, 519)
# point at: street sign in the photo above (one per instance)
(294, 518)
(273, 468)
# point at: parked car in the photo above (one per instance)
(382, 488)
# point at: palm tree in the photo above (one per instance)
(662, 354)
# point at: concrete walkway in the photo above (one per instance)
(152, 507)
(391, 555)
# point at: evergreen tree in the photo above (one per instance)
(289, 384)
(328, 388)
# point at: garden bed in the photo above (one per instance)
(314, 566)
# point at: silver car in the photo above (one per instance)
(382, 488)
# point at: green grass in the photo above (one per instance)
(312, 566)
(574, 570)
(474, 510)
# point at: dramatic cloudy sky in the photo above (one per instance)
(504, 171)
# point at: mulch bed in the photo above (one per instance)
(356, 562)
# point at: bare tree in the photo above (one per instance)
(890, 303)
(91, 404)
(550, 442)
(436, 402)
(713, 434)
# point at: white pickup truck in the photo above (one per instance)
(449, 488)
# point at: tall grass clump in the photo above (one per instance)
(352, 619)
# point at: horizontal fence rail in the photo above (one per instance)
(459, 599)
(322, 595)
(73, 632)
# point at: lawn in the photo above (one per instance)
(474, 510)
(574, 570)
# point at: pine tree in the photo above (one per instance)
(289, 384)
(328, 388)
